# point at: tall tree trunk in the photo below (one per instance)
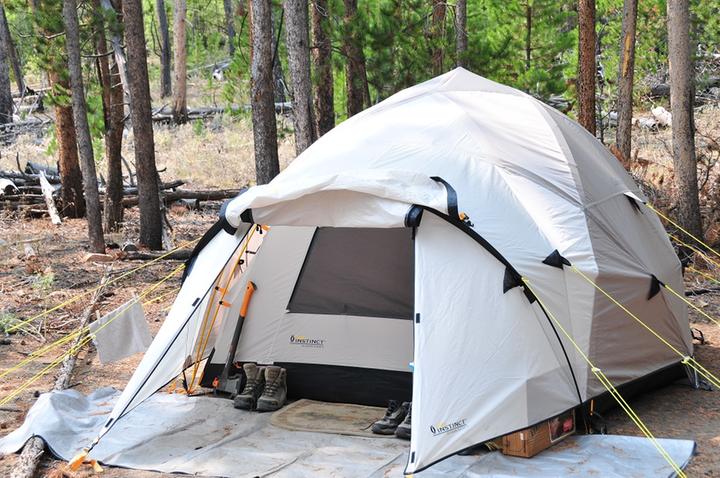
(12, 53)
(179, 33)
(114, 114)
(528, 34)
(278, 76)
(6, 101)
(587, 70)
(165, 50)
(626, 72)
(141, 117)
(68, 166)
(437, 34)
(263, 109)
(298, 46)
(322, 64)
(682, 97)
(79, 107)
(461, 36)
(230, 26)
(356, 83)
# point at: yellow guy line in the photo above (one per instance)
(685, 358)
(610, 388)
(63, 340)
(681, 228)
(204, 339)
(161, 296)
(79, 296)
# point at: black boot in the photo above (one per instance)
(394, 415)
(403, 430)
(275, 393)
(254, 386)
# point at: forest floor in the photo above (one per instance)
(43, 266)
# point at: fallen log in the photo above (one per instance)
(178, 255)
(694, 292)
(662, 90)
(199, 195)
(165, 115)
(48, 191)
(35, 447)
(29, 179)
(37, 168)
(133, 190)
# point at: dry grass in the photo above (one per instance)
(217, 153)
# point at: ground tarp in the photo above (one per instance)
(206, 436)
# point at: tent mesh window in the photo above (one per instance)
(366, 272)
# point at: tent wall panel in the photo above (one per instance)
(483, 365)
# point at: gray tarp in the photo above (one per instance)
(207, 437)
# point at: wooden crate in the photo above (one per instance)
(531, 441)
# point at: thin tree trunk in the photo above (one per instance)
(230, 26)
(355, 72)
(165, 50)
(587, 70)
(528, 34)
(179, 33)
(263, 108)
(322, 64)
(461, 36)
(87, 161)
(114, 8)
(298, 46)
(141, 117)
(6, 101)
(437, 30)
(626, 72)
(682, 96)
(114, 117)
(278, 76)
(12, 53)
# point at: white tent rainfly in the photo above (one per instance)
(460, 226)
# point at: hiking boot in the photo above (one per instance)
(275, 393)
(254, 386)
(394, 415)
(403, 430)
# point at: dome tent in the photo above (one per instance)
(402, 236)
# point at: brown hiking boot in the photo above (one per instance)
(254, 386)
(275, 393)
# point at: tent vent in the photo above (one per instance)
(412, 457)
(246, 216)
(511, 280)
(655, 284)
(556, 260)
(417, 318)
(195, 302)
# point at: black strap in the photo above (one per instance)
(452, 200)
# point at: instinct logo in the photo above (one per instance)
(442, 427)
(303, 341)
